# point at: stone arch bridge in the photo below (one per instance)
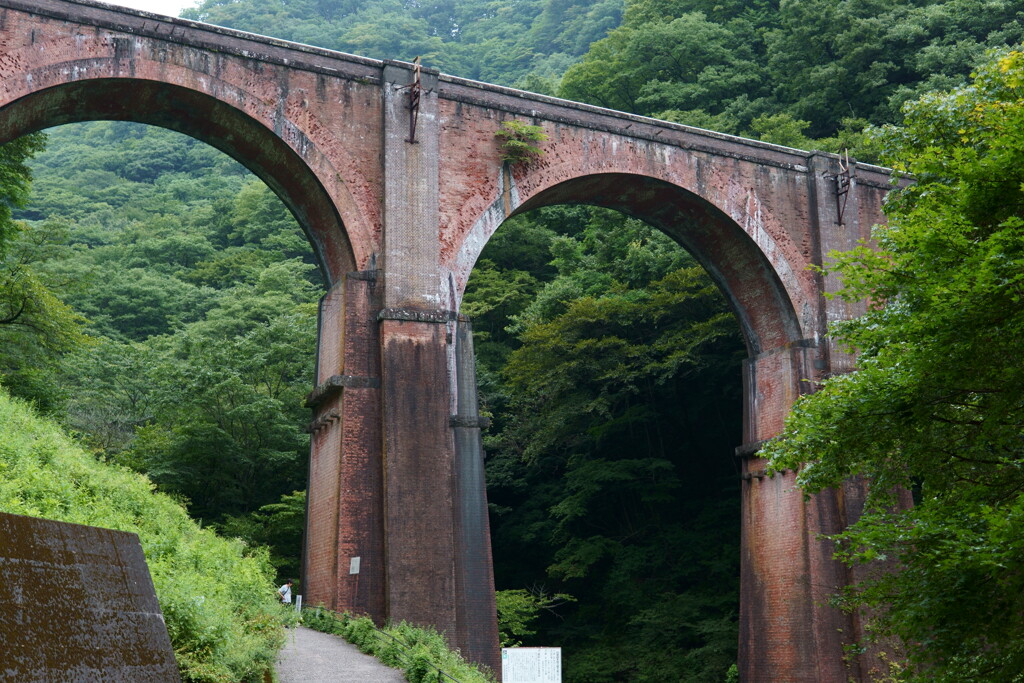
(396, 178)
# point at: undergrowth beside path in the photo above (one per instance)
(420, 653)
(217, 596)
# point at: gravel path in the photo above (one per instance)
(314, 657)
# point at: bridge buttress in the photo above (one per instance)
(474, 575)
(344, 562)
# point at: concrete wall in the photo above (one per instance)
(78, 604)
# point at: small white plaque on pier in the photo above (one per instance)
(353, 565)
(531, 664)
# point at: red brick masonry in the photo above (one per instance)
(398, 226)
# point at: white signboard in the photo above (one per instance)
(531, 665)
(353, 565)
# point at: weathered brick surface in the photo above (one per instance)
(361, 514)
(418, 474)
(787, 634)
(346, 470)
(320, 561)
(329, 133)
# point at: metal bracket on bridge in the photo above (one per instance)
(844, 180)
(415, 92)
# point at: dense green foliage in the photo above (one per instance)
(527, 43)
(792, 71)
(420, 653)
(36, 326)
(518, 611)
(616, 407)
(216, 595)
(520, 141)
(201, 306)
(936, 402)
(15, 182)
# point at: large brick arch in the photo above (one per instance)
(269, 118)
(209, 120)
(737, 264)
(734, 228)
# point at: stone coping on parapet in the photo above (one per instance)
(511, 100)
(219, 38)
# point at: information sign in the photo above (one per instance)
(531, 664)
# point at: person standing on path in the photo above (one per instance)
(284, 593)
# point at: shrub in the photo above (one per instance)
(519, 142)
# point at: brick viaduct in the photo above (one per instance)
(397, 512)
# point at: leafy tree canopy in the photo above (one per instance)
(935, 405)
(833, 65)
(521, 42)
(36, 325)
(15, 181)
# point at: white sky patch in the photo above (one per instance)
(171, 8)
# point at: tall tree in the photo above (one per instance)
(935, 405)
(36, 326)
(15, 181)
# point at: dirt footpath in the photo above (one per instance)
(313, 657)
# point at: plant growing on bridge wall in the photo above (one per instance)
(519, 141)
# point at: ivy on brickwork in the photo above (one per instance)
(520, 142)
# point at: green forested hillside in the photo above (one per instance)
(526, 43)
(791, 70)
(216, 595)
(200, 297)
(607, 360)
